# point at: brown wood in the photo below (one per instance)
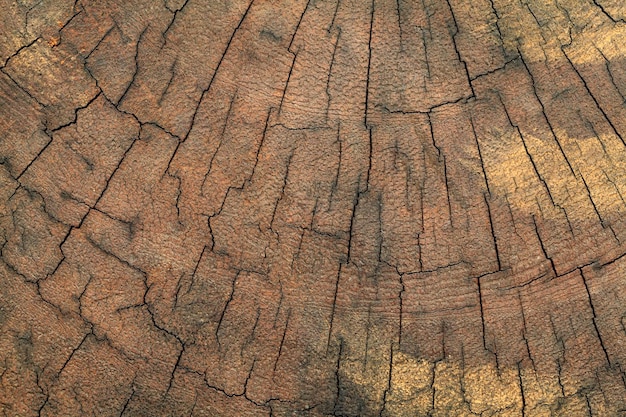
(308, 207)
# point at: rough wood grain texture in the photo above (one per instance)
(313, 207)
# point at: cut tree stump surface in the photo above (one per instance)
(313, 208)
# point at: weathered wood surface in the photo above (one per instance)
(291, 207)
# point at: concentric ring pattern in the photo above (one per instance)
(313, 207)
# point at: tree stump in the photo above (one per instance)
(313, 208)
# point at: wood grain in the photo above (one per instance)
(313, 207)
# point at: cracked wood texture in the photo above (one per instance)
(313, 208)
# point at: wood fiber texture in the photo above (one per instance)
(313, 208)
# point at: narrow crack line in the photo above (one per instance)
(559, 370)
(337, 378)
(169, 26)
(493, 233)
(193, 276)
(282, 98)
(240, 187)
(593, 129)
(76, 13)
(108, 180)
(389, 380)
(248, 377)
(528, 154)
(380, 228)
(536, 169)
(221, 319)
(179, 287)
(46, 394)
(219, 145)
(169, 163)
(26, 16)
(217, 68)
(422, 209)
(447, 185)
(533, 280)
(545, 115)
(333, 308)
(428, 110)
(31, 192)
(142, 124)
(282, 297)
(136, 58)
(369, 161)
(543, 247)
(217, 213)
(243, 394)
(73, 122)
(444, 328)
(593, 97)
(595, 317)
(480, 156)
(419, 252)
(565, 13)
(20, 49)
(355, 204)
(116, 257)
(368, 326)
(482, 313)
(334, 185)
(282, 191)
(525, 331)
(332, 22)
(79, 300)
(401, 305)
(593, 203)
(74, 350)
(95, 48)
(179, 193)
(612, 261)
(399, 15)
(369, 64)
(56, 268)
(521, 388)
(607, 14)
(495, 70)
(130, 398)
(258, 152)
(619, 193)
(282, 342)
(433, 388)
(498, 17)
(607, 64)
(41, 151)
(456, 49)
(561, 358)
(169, 81)
(35, 99)
(303, 129)
(462, 383)
(161, 328)
(176, 364)
(251, 337)
(426, 59)
(295, 32)
(330, 72)
(588, 404)
(540, 24)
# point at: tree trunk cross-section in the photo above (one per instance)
(313, 208)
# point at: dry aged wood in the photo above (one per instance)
(313, 208)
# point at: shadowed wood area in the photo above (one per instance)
(313, 208)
